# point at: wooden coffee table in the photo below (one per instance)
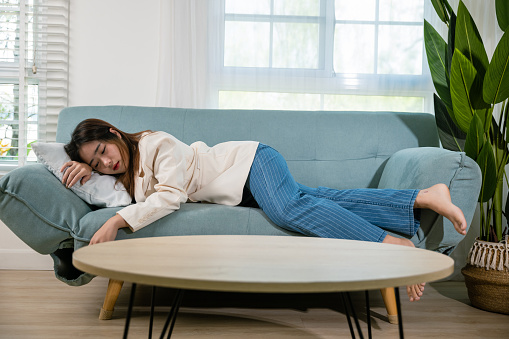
(268, 264)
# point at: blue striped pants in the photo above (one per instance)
(358, 214)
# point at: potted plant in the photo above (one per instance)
(472, 113)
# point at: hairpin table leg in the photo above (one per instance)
(129, 311)
(172, 317)
(368, 314)
(354, 315)
(152, 303)
(400, 316)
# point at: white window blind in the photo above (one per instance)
(34, 41)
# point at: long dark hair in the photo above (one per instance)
(98, 130)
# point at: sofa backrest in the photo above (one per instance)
(333, 149)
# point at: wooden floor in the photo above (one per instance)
(33, 304)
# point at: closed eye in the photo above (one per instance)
(104, 150)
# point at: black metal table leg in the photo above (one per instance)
(354, 315)
(400, 317)
(172, 316)
(173, 313)
(368, 313)
(129, 311)
(352, 333)
(152, 302)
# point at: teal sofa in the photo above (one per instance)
(334, 149)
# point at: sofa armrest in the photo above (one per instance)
(38, 208)
(422, 167)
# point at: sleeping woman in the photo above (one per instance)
(160, 173)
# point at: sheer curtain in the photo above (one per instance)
(183, 54)
(301, 54)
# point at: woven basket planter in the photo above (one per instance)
(487, 275)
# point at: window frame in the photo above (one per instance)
(41, 59)
(12, 73)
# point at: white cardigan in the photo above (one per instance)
(171, 173)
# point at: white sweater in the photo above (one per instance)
(171, 173)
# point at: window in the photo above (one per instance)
(33, 75)
(323, 55)
(266, 34)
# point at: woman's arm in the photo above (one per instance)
(74, 172)
(165, 159)
(108, 231)
(166, 155)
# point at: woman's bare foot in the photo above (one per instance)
(414, 291)
(438, 199)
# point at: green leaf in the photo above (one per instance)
(468, 41)
(505, 125)
(475, 138)
(450, 42)
(497, 142)
(496, 81)
(451, 136)
(29, 146)
(486, 117)
(506, 209)
(448, 7)
(486, 162)
(436, 51)
(440, 9)
(502, 9)
(463, 75)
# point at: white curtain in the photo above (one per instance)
(183, 74)
(224, 53)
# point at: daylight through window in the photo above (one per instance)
(323, 55)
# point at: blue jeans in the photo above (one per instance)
(357, 214)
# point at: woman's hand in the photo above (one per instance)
(74, 172)
(108, 231)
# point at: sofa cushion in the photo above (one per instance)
(99, 190)
(190, 219)
(38, 208)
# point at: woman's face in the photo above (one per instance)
(103, 157)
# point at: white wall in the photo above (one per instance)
(15, 254)
(114, 47)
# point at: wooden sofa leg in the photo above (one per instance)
(114, 287)
(389, 298)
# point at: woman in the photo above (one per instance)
(160, 173)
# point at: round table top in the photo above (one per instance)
(271, 264)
